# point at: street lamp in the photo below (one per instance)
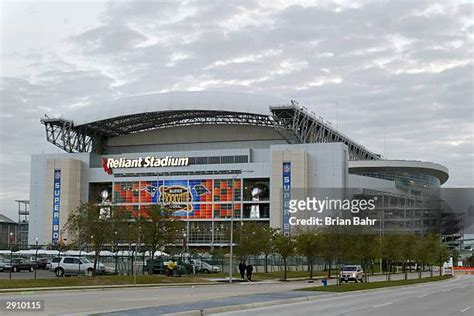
(185, 242)
(116, 251)
(11, 256)
(382, 227)
(36, 255)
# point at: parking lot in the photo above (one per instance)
(40, 274)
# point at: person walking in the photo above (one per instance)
(249, 269)
(242, 268)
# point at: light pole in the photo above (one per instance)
(95, 254)
(380, 243)
(11, 256)
(382, 227)
(116, 251)
(231, 244)
(36, 255)
(185, 242)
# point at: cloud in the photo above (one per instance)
(401, 69)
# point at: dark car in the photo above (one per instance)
(42, 263)
(159, 266)
(20, 264)
(155, 266)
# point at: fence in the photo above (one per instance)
(131, 260)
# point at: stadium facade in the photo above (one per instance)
(215, 157)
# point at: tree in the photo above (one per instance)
(267, 235)
(368, 250)
(422, 253)
(249, 238)
(327, 250)
(309, 244)
(336, 245)
(285, 247)
(159, 228)
(432, 246)
(442, 255)
(88, 224)
(408, 248)
(392, 250)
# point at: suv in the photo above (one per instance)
(352, 273)
(74, 266)
(204, 267)
(21, 264)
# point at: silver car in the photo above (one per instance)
(75, 266)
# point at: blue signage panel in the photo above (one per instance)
(56, 205)
(286, 197)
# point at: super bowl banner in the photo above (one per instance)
(56, 205)
(286, 197)
(185, 198)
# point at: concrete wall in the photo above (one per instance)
(313, 167)
(41, 197)
(199, 137)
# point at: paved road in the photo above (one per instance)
(453, 297)
(88, 301)
(40, 274)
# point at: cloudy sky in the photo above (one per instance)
(397, 77)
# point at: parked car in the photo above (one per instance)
(159, 266)
(5, 264)
(42, 263)
(352, 273)
(156, 266)
(204, 267)
(21, 264)
(62, 266)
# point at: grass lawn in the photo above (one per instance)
(373, 285)
(99, 280)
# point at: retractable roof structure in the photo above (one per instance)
(294, 123)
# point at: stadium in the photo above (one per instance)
(216, 157)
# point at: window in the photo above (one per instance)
(201, 160)
(227, 159)
(241, 159)
(68, 260)
(215, 160)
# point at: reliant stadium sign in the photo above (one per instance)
(143, 162)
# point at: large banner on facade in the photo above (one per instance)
(56, 206)
(286, 197)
